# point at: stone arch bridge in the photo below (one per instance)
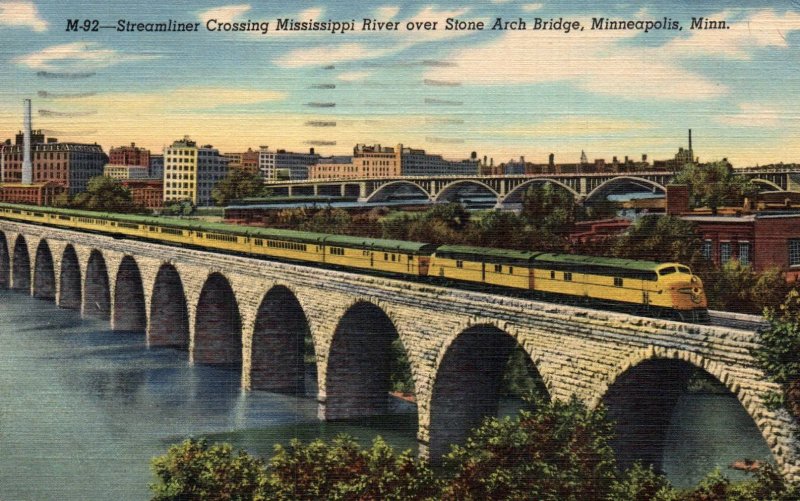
(253, 314)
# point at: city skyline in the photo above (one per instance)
(501, 93)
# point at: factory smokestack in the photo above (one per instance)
(27, 168)
(690, 139)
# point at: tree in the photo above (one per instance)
(237, 184)
(661, 238)
(638, 483)
(559, 452)
(194, 470)
(713, 185)
(778, 353)
(342, 470)
(105, 194)
(549, 207)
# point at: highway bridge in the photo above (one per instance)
(587, 187)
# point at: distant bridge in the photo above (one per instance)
(587, 187)
(252, 315)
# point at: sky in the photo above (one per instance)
(500, 93)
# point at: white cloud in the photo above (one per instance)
(329, 54)
(312, 13)
(764, 28)
(755, 115)
(87, 55)
(224, 14)
(21, 14)
(386, 13)
(594, 60)
(531, 7)
(354, 76)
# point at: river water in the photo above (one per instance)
(83, 409)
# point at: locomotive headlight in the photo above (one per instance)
(694, 279)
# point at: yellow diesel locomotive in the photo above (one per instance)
(660, 289)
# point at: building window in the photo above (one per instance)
(794, 252)
(707, 249)
(724, 252)
(744, 252)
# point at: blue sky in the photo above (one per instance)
(500, 93)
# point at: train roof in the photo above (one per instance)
(487, 254)
(559, 261)
(380, 244)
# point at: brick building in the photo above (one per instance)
(68, 164)
(126, 171)
(33, 194)
(129, 155)
(148, 193)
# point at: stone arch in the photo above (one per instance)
(218, 324)
(359, 363)
(70, 292)
(467, 384)
(392, 186)
(520, 190)
(449, 188)
(5, 262)
(643, 392)
(278, 348)
(44, 277)
(21, 271)
(622, 180)
(129, 307)
(169, 315)
(96, 291)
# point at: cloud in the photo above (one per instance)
(329, 54)
(387, 12)
(225, 14)
(761, 29)
(531, 7)
(354, 76)
(21, 14)
(594, 60)
(76, 54)
(182, 99)
(756, 115)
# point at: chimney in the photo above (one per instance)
(27, 168)
(690, 139)
(551, 160)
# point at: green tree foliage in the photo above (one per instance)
(736, 287)
(778, 352)
(238, 184)
(768, 485)
(521, 379)
(105, 194)
(714, 185)
(560, 452)
(342, 470)
(550, 208)
(641, 484)
(661, 238)
(194, 470)
(328, 220)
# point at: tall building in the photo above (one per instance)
(282, 165)
(191, 172)
(129, 155)
(156, 167)
(385, 161)
(69, 164)
(246, 161)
